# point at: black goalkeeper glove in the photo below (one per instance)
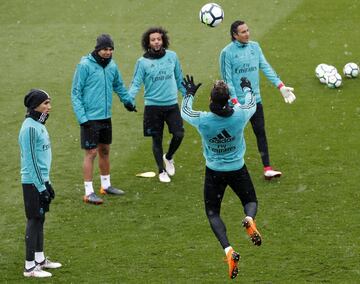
(45, 200)
(130, 107)
(245, 83)
(189, 85)
(50, 189)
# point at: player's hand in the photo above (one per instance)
(287, 93)
(245, 83)
(45, 199)
(50, 189)
(189, 85)
(130, 107)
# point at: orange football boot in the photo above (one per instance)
(232, 258)
(251, 230)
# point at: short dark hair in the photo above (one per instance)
(233, 28)
(145, 40)
(220, 93)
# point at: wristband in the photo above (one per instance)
(234, 101)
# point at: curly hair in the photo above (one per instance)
(145, 39)
(220, 93)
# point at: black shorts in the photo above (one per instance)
(155, 116)
(32, 205)
(96, 132)
(239, 181)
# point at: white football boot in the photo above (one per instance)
(47, 264)
(169, 166)
(164, 177)
(269, 173)
(37, 272)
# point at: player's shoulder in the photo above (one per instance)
(86, 61)
(143, 62)
(113, 63)
(30, 123)
(171, 52)
(230, 45)
(254, 44)
(170, 55)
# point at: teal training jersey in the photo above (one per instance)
(239, 60)
(35, 151)
(92, 89)
(161, 77)
(222, 138)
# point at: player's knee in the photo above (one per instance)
(179, 135)
(91, 153)
(211, 210)
(157, 139)
(104, 151)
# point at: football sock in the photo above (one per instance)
(158, 151)
(29, 264)
(88, 187)
(39, 256)
(174, 145)
(227, 249)
(250, 209)
(105, 181)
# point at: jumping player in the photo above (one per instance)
(223, 143)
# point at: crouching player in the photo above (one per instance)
(35, 153)
(222, 134)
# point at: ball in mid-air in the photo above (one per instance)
(351, 70)
(211, 14)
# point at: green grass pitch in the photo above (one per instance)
(158, 233)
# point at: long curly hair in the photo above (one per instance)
(145, 39)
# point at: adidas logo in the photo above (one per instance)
(222, 137)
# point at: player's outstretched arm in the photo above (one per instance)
(187, 113)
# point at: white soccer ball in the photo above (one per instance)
(333, 80)
(211, 14)
(351, 70)
(321, 72)
(331, 69)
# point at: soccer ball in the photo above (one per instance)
(333, 80)
(321, 72)
(331, 69)
(351, 70)
(211, 14)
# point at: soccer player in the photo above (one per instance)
(244, 58)
(223, 143)
(160, 71)
(35, 150)
(95, 79)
